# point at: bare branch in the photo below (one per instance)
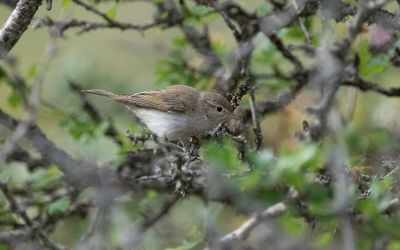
(93, 10)
(57, 28)
(243, 231)
(365, 85)
(276, 21)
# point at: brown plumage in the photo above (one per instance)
(174, 99)
(176, 111)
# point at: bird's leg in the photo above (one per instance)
(194, 143)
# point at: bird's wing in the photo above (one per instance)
(174, 99)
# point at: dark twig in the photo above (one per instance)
(255, 121)
(94, 10)
(365, 85)
(57, 28)
(286, 53)
(232, 27)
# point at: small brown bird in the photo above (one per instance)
(176, 112)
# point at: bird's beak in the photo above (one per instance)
(235, 124)
(234, 116)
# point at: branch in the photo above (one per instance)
(57, 28)
(36, 229)
(276, 21)
(330, 71)
(365, 85)
(243, 232)
(286, 52)
(14, 236)
(16, 24)
(282, 99)
(93, 10)
(75, 172)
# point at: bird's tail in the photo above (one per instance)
(100, 92)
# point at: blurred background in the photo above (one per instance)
(131, 61)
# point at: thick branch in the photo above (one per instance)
(17, 23)
(276, 21)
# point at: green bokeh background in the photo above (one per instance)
(126, 62)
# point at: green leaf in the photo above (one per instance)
(218, 46)
(201, 10)
(65, 4)
(251, 180)
(293, 225)
(14, 99)
(223, 155)
(370, 65)
(32, 70)
(112, 13)
(394, 245)
(194, 238)
(164, 15)
(101, 128)
(180, 42)
(59, 206)
(4, 247)
(263, 159)
(190, 21)
(292, 162)
(325, 239)
(81, 125)
(264, 9)
(47, 177)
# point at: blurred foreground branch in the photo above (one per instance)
(16, 24)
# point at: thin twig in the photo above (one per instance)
(94, 10)
(244, 230)
(365, 85)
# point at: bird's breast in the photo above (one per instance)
(172, 125)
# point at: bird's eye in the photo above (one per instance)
(219, 109)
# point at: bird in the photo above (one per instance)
(177, 112)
